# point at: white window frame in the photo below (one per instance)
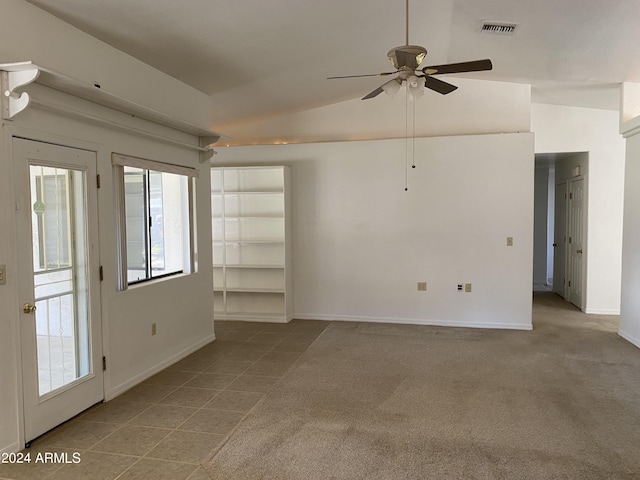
(119, 161)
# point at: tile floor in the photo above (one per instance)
(167, 426)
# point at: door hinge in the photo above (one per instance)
(571, 196)
(101, 273)
(104, 363)
(98, 181)
(569, 282)
(569, 239)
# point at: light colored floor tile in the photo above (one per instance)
(287, 345)
(94, 466)
(29, 469)
(77, 434)
(229, 367)
(163, 416)
(210, 380)
(147, 469)
(168, 377)
(192, 364)
(268, 369)
(246, 355)
(115, 411)
(266, 338)
(199, 474)
(145, 393)
(280, 357)
(188, 447)
(132, 440)
(212, 421)
(235, 401)
(189, 397)
(246, 383)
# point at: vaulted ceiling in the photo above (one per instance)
(257, 59)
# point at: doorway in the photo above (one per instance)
(60, 327)
(560, 233)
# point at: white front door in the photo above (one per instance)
(576, 241)
(56, 207)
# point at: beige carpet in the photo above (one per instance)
(379, 401)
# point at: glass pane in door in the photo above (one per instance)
(59, 230)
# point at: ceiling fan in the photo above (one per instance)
(407, 59)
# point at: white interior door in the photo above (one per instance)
(559, 239)
(576, 241)
(58, 283)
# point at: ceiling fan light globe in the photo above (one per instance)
(413, 82)
(391, 88)
(415, 87)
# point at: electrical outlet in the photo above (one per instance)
(422, 286)
(467, 287)
(3, 274)
(509, 241)
(460, 287)
(153, 329)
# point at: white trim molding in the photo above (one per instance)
(629, 338)
(414, 321)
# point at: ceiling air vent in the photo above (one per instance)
(499, 28)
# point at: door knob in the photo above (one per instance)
(28, 308)
(555, 244)
(579, 251)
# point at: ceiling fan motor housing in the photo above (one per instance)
(407, 57)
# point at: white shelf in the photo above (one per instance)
(251, 246)
(266, 267)
(255, 290)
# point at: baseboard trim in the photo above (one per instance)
(602, 311)
(629, 338)
(13, 448)
(141, 377)
(414, 321)
(253, 318)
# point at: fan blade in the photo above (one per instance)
(390, 91)
(474, 66)
(383, 74)
(375, 93)
(438, 85)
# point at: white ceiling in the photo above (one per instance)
(261, 58)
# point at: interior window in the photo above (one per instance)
(156, 220)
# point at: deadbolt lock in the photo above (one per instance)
(28, 308)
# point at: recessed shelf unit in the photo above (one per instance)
(251, 243)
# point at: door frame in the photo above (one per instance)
(583, 174)
(18, 130)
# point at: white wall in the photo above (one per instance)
(30, 34)
(571, 129)
(477, 107)
(361, 242)
(184, 321)
(630, 305)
